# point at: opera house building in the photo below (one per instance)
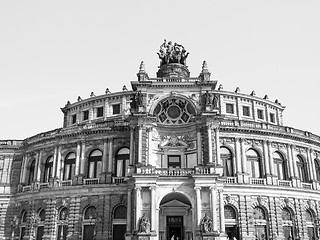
(174, 157)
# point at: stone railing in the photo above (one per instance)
(65, 183)
(306, 185)
(258, 181)
(90, 181)
(118, 180)
(231, 180)
(26, 188)
(43, 185)
(285, 183)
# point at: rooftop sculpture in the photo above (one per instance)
(172, 53)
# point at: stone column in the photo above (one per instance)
(313, 165)
(199, 147)
(238, 155)
(131, 157)
(149, 145)
(110, 155)
(243, 156)
(129, 212)
(58, 170)
(219, 163)
(271, 163)
(140, 145)
(209, 132)
(221, 211)
(38, 167)
(198, 202)
(138, 206)
(24, 170)
(82, 158)
(23, 163)
(295, 168)
(290, 162)
(77, 167)
(153, 208)
(104, 162)
(266, 158)
(310, 165)
(55, 159)
(214, 208)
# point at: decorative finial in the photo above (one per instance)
(92, 94)
(142, 68)
(237, 90)
(107, 91)
(266, 97)
(205, 67)
(220, 87)
(253, 93)
(277, 102)
(79, 99)
(124, 88)
(68, 103)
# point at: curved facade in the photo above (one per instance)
(176, 157)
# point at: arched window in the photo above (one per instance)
(260, 223)
(317, 166)
(89, 223)
(63, 224)
(302, 169)
(23, 225)
(95, 164)
(310, 224)
(231, 222)
(253, 164)
(48, 169)
(31, 172)
(122, 162)
(40, 224)
(280, 166)
(226, 158)
(119, 221)
(288, 224)
(69, 166)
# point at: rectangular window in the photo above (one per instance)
(260, 114)
(272, 118)
(85, 115)
(174, 161)
(99, 111)
(74, 118)
(116, 109)
(246, 111)
(229, 108)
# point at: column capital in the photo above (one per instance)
(213, 188)
(152, 188)
(137, 189)
(197, 188)
(220, 191)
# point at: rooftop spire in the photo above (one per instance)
(205, 74)
(142, 75)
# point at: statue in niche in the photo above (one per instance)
(172, 53)
(144, 224)
(136, 100)
(207, 98)
(206, 224)
(211, 100)
(215, 101)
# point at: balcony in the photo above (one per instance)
(65, 183)
(306, 185)
(119, 180)
(231, 180)
(43, 185)
(285, 183)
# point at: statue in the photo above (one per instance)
(206, 224)
(215, 101)
(144, 224)
(172, 53)
(136, 100)
(207, 98)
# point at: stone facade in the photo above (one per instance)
(174, 158)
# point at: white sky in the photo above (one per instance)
(54, 51)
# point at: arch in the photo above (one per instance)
(261, 225)
(302, 168)
(89, 213)
(287, 214)
(230, 212)
(42, 215)
(259, 213)
(254, 166)
(175, 196)
(120, 212)
(280, 165)
(32, 172)
(317, 168)
(227, 161)
(122, 161)
(23, 218)
(69, 166)
(48, 169)
(94, 164)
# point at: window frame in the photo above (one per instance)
(230, 108)
(115, 107)
(95, 160)
(99, 112)
(260, 114)
(85, 115)
(247, 109)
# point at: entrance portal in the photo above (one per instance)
(175, 227)
(175, 218)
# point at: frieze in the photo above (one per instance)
(226, 141)
(253, 142)
(300, 149)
